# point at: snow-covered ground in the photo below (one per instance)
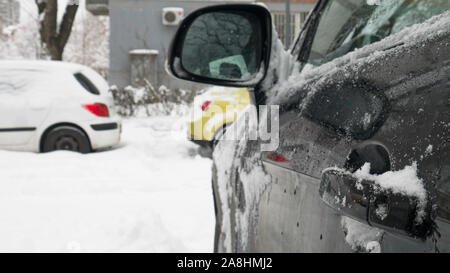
(150, 194)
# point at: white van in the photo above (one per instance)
(47, 106)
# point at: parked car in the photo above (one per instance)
(213, 111)
(363, 161)
(47, 106)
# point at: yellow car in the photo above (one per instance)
(212, 111)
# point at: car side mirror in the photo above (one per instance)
(365, 202)
(227, 45)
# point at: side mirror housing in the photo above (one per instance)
(355, 108)
(227, 45)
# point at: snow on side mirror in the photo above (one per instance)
(227, 45)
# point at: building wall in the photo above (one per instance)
(9, 13)
(137, 24)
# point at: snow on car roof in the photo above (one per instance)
(41, 65)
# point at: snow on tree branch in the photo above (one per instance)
(53, 36)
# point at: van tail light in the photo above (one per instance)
(205, 105)
(98, 109)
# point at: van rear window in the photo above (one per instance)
(87, 84)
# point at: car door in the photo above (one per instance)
(22, 109)
(14, 128)
(386, 110)
(292, 216)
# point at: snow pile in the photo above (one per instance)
(150, 194)
(361, 237)
(403, 182)
(170, 109)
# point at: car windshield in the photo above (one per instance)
(346, 25)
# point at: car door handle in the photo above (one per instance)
(365, 202)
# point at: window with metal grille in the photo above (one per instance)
(297, 21)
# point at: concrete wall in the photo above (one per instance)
(9, 13)
(137, 24)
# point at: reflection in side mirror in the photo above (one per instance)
(363, 201)
(229, 71)
(225, 45)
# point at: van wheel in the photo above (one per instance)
(66, 138)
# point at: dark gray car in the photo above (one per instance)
(362, 116)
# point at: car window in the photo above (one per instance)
(346, 25)
(351, 110)
(96, 79)
(87, 84)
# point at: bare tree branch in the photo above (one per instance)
(66, 24)
(41, 6)
(53, 37)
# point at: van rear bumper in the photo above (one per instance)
(104, 135)
(105, 126)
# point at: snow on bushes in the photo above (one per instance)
(146, 100)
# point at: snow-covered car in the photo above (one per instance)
(363, 157)
(47, 106)
(213, 111)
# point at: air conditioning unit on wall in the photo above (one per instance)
(172, 16)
